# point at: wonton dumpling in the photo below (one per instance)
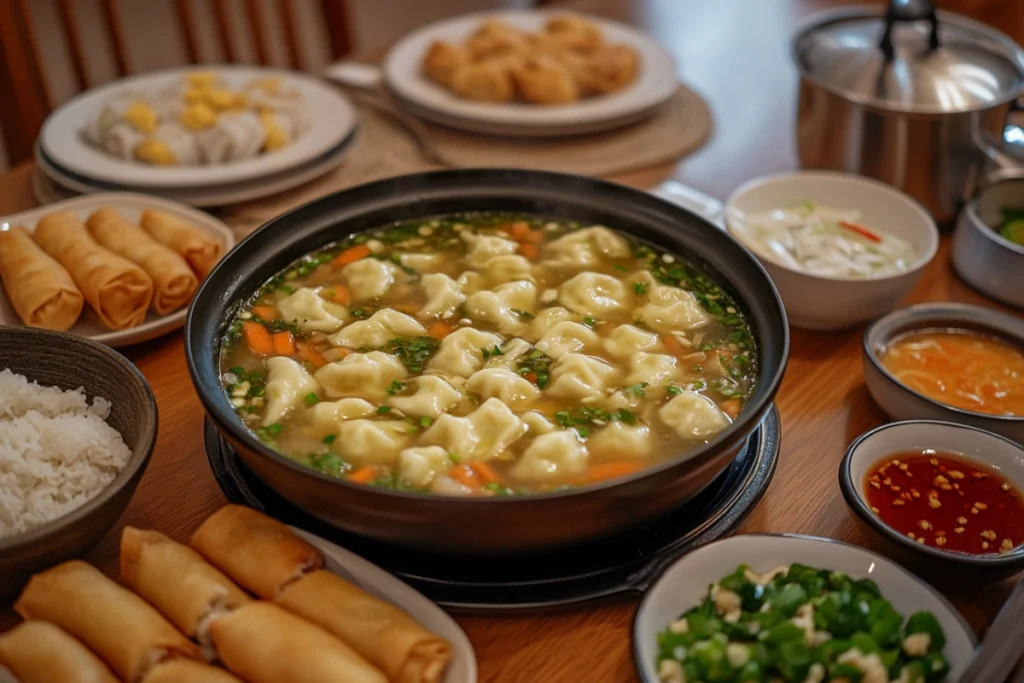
(496, 427)
(431, 396)
(419, 466)
(617, 441)
(536, 423)
(592, 294)
(671, 309)
(652, 369)
(481, 435)
(513, 350)
(566, 337)
(454, 434)
(586, 248)
(369, 278)
(471, 281)
(499, 307)
(377, 330)
(544, 321)
(371, 442)
(509, 387)
(361, 374)
(424, 263)
(481, 248)
(443, 296)
(325, 416)
(693, 416)
(577, 376)
(552, 456)
(507, 268)
(461, 352)
(310, 311)
(625, 340)
(288, 383)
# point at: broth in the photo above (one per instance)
(960, 368)
(488, 354)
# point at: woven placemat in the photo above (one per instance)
(392, 142)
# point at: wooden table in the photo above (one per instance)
(736, 54)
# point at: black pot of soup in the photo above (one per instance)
(487, 361)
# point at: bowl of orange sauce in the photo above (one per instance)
(954, 362)
(939, 495)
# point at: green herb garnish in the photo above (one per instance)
(396, 387)
(383, 410)
(311, 398)
(589, 321)
(329, 439)
(637, 389)
(413, 351)
(535, 366)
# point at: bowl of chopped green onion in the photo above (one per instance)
(795, 608)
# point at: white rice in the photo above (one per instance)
(56, 452)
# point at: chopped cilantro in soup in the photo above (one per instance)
(488, 355)
(799, 624)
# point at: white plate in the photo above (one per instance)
(403, 75)
(685, 584)
(130, 206)
(330, 115)
(218, 195)
(378, 582)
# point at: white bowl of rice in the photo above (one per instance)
(842, 249)
(77, 427)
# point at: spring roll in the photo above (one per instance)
(39, 652)
(382, 633)
(174, 283)
(177, 581)
(40, 289)
(198, 248)
(118, 290)
(188, 671)
(263, 643)
(259, 553)
(119, 626)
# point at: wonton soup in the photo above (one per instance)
(487, 354)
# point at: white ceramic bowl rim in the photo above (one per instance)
(896, 567)
(953, 313)
(923, 259)
(860, 506)
(987, 230)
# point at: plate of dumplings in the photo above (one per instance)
(197, 127)
(530, 73)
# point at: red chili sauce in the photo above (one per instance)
(947, 502)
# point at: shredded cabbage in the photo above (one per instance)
(825, 241)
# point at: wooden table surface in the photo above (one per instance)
(735, 53)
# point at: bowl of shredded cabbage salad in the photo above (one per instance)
(841, 249)
(827, 241)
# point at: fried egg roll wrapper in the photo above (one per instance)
(258, 552)
(39, 652)
(198, 248)
(176, 580)
(382, 633)
(263, 643)
(40, 289)
(174, 283)
(188, 671)
(119, 626)
(118, 290)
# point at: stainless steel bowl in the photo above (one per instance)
(502, 524)
(985, 259)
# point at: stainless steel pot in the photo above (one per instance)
(916, 98)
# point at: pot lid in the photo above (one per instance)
(910, 58)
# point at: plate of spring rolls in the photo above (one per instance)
(195, 127)
(247, 600)
(118, 268)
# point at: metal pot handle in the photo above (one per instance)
(908, 10)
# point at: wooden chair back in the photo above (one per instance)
(23, 83)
